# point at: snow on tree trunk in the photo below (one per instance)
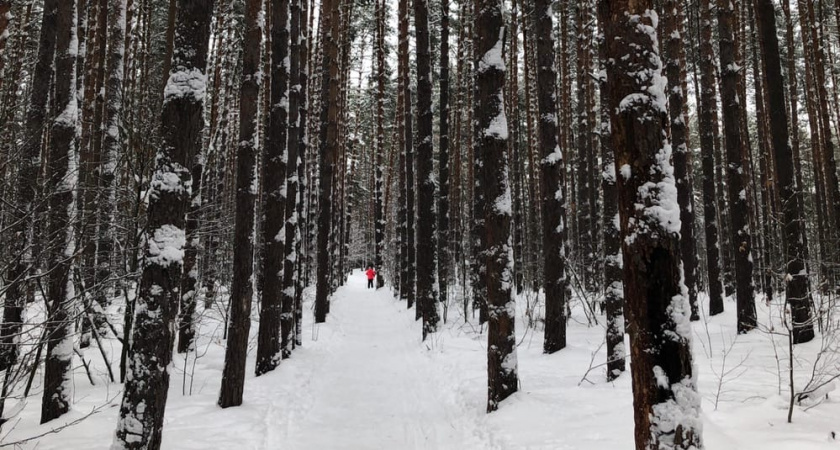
(426, 245)
(140, 424)
(111, 151)
(675, 70)
(708, 134)
(328, 149)
(551, 187)
(491, 131)
(242, 284)
(274, 168)
(613, 285)
(443, 158)
(736, 177)
(666, 402)
(379, 148)
(27, 189)
(61, 181)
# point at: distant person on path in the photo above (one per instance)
(371, 274)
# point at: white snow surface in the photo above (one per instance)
(364, 380)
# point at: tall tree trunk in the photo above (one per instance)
(426, 217)
(736, 177)
(242, 290)
(708, 124)
(491, 132)
(328, 147)
(140, 424)
(675, 70)
(665, 398)
(443, 217)
(379, 150)
(111, 150)
(614, 287)
(61, 181)
(551, 186)
(798, 294)
(27, 189)
(275, 156)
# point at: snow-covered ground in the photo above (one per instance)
(363, 380)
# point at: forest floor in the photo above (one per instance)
(364, 380)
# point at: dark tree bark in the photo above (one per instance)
(288, 314)
(379, 150)
(614, 287)
(27, 188)
(491, 134)
(665, 398)
(675, 70)
(736, 176)
(147, 380)
(426, 215)
(798, 294)
(551, 186)
(328, 148)
(708, 125)
(61, 180)
(241, 291)
(275, 155)
(443, 256)
(111, 150)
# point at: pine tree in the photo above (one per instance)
(328, 147)
(379, 149)
(675, 70)
(708, 132)
(491, 132)
(140, 423)
(426, 216)
(61, 180)
(797, 291)
(665, 398)
(241, 291)
(737, 180)
(553, 199)
(443, 256)
(274, 167)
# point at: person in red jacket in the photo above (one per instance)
(371, 274)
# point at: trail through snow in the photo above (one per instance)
(364, 381)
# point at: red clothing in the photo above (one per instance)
(370, 274)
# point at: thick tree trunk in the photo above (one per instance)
(328, 148)
(443, 217)
(797, 291)
(426, 216)
(708, 124)
(613, 285)
(27, 189)
(491, 131)
(242, 291)
(551, 186)
(140, 424)
(675, 70)
(665, 398)
(736, 175)
(61, 181)
(274, 161)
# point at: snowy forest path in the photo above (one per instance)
(372, 386)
